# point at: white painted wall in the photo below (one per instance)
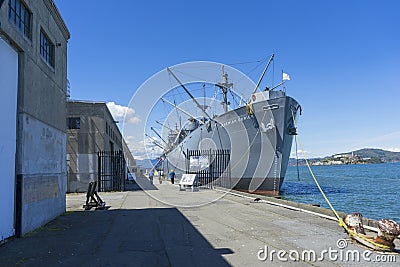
(44, 173)
(8, 111)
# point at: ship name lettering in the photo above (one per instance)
(240, 119)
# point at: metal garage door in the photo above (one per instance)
(8, 111)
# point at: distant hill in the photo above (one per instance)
(146, 163)
(379, 155)
(384, 155)
(373, 153)
(302, 162)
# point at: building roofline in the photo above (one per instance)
(85, 101)
(88, 102)
(57, 17)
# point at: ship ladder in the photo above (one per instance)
(351, 233)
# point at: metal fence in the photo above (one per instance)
(111, 171)
(211, 166)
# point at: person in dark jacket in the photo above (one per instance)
(172, 176)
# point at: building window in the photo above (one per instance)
(46, 49)
(20, 15)
(74, 123)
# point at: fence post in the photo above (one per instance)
(99, 171)
(218, 167)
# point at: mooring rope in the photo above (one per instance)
(340, 220)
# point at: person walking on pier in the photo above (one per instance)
(172, 176)
(151, 176)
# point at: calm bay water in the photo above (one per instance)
(371, 189)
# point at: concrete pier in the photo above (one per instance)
(141, 228)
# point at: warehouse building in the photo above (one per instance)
(33, 82)
(96, 149)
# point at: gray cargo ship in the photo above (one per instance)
(258, 135)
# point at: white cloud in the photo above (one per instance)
(129, 138)
(134, 120)
(121, 112)
(138, 148)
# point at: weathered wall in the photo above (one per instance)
(43, 172)
(41, 133)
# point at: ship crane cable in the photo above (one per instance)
(340, 220)
(188, 92)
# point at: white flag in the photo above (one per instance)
(285, 77)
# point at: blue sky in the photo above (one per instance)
(343, 56)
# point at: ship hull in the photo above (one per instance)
(259, 139)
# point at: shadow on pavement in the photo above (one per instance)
(142, 237)
(140, 184)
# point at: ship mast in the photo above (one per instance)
(178, 108)
(163, 125)
(262, 76)
(224, 85)
(155, 142)
(158, 135)
(189, 94)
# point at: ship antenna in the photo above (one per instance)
(265, 70)
(224, 85)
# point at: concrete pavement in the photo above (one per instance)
(162, 226)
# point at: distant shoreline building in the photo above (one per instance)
(91, 129)
(33, 83)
